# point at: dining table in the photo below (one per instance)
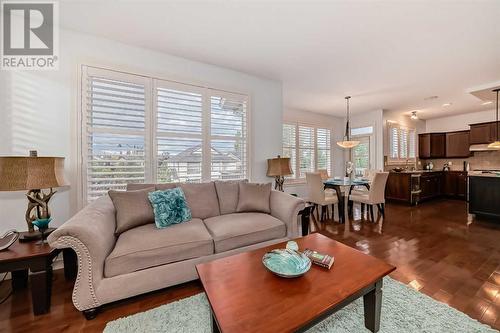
(343, 188)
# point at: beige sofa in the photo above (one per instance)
(145, 258)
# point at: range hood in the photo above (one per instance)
(481, 147)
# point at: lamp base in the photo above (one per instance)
(278, 185)
(26, 236)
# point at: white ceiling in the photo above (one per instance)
(386, 54)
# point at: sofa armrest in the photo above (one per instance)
(286, 207)
(90, 233)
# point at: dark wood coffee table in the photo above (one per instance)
(245, 297)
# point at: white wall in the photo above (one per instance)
(38, 110)
(459, 122)
(336, 124)
(375, 119)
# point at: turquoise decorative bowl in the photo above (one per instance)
(42, 224)
(286, 263)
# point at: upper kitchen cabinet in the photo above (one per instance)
(482, 133)
(457, 144)
(432, 145)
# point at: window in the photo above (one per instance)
(138, 129)
(324, 149)
(306, 150)
(402, 143)
(361, 156)
(308, 147)
(289, 146)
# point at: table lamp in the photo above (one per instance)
(278, 168)
(33, 174)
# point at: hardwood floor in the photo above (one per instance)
(437, 249)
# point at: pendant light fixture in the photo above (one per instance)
(496, 144)
(347, 143)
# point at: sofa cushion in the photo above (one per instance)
(202, 199)
(254, 197)
(146, 246)
(132, 208)
(232, 231)
(228, 193)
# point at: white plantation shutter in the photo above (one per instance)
(137, 129)
(306, 150)
(179, 132)
(323, 144)
(308, 147)
(412, 144)
(402, 143)
(113, 131)
(290, 146)
(394, 142)
(228, 136)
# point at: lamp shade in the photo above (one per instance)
(31, 173)
(279, 166)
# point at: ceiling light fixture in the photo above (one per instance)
(414, 115)
(487, 103)
(446, 104)
(496, 144)
(346, 143)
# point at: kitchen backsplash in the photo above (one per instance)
(479, 160)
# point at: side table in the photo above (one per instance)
(37, 258)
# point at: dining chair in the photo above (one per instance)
(359, 190)
(374, 196)
(324, 174)
(318, 196)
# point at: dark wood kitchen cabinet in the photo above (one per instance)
(432, 145)
(454, 184)
(430, 184)
(483, 133)
(398, 186)
(457, 144)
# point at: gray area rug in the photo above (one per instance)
(403, 310)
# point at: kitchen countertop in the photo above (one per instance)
(481, 174)
(423, 171)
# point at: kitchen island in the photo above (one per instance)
(484, 194)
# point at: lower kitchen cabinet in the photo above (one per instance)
(454, 184)
(434, 184)
(430, 185)
(484, 196)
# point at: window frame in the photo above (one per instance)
(150, 130)
(295, 178)
(410, 131)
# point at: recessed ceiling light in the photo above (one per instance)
(486, 103)
(446, 104)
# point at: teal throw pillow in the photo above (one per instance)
(169, 207)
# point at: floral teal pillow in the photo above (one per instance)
(170, 207)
